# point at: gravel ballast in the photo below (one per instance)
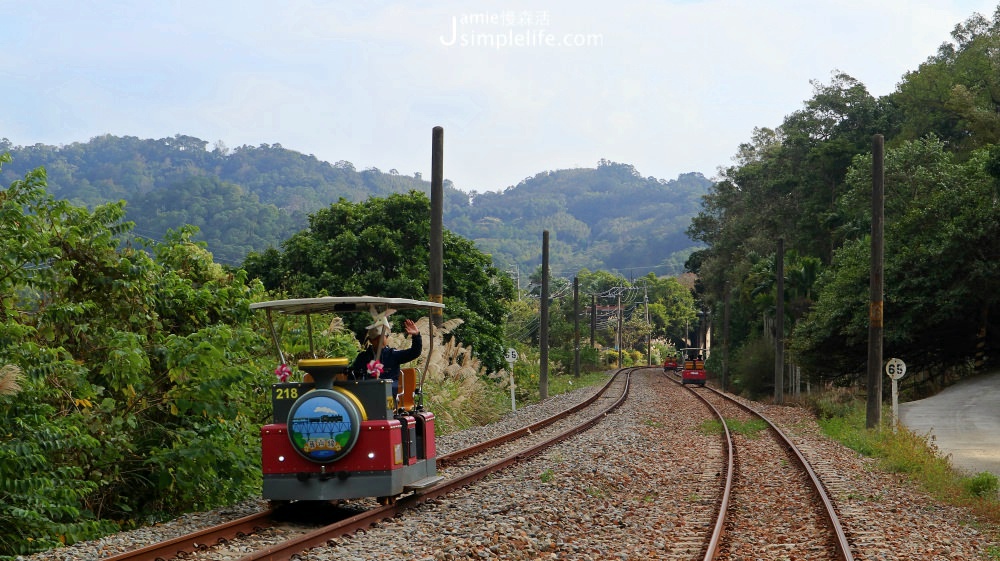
(634, 487)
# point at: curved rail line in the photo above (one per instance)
(719, 528)
(221, 533)
(840, 538)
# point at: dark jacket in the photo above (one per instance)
(391, 360)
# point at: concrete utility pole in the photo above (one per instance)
(435, 288)
(649, 355)
(543, 336)
(576, 326)
(725, 339)
(621, 351)
(875, 309)
(593, 320)
(779, 325)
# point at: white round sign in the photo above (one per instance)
(895, 368)
(511, 355)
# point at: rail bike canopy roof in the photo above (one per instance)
(377, 306)
(340, 304)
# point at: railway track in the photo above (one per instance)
(720, 520)
(646, 484)
(868, 540)
(804, 525)
(461, 468)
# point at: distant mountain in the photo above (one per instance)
(608, 218)
(251, 198)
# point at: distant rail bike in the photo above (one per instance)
(336, 437)
(670, 364)
(693, 368)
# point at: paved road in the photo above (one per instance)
(964, 420)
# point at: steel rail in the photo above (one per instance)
(201, 539)
(840, 538)
(719, 528)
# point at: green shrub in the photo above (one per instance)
(752, 369)
(43, 494)
(613, 358)
(137, 397)
(984, 484)
(636, 358)
(590, 358)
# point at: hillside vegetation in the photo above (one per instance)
(249, 199)
(134, 379)
(133, 375)
(808, 181)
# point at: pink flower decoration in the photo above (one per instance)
(283, 372)
(375, 368)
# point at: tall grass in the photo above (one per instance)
(462, 394)
(461, 402)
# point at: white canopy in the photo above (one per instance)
(340, 304)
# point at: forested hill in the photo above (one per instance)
(251, 198)
(608, 218)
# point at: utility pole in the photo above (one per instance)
(436, 281)
(593, 320)
(543, 341)
(779, 325)
(649, 356)
(576, 327)
(620, 349)
(873, 417)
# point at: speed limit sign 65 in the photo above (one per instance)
(895, 368)
(511, 355)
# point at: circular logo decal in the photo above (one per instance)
(323, 425)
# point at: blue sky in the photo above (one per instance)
(668, 86)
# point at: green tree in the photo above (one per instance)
(955, 94)
(381, 247)
(137, 395)
(808, 181)
(941, 269)
(227, 217)
(671, 307)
